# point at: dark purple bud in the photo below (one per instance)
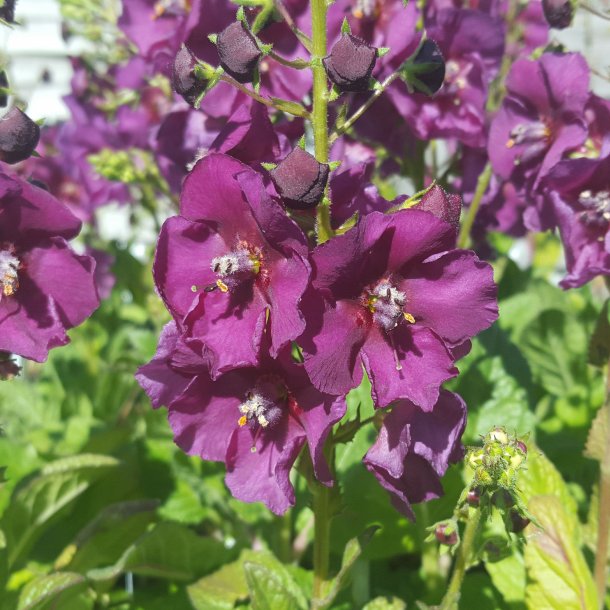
(503, 498)
(300, 180)
(238, 52)
(446, 206)
(446, 534)
(3, 85)
(474, 497)
(19, 136)
(184, 80)
(558, 13)
(519, 522)
(8, 369)
(350, 63)
(521, 446)
(7, 11)
(429, 68)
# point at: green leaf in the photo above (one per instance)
(250, 575)
(289, 107)
(57, 588)
(599, 346)
(39, 499)
(353, 550)
(598, 435)
(270, 588)
(345, 27)
(168, 551)
(508, 576)
(558, 575)
(386, 603)
(221, 590)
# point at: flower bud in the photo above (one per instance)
(19, 136)
(300, 180)
(474, 497)
(7, 11)
(8, 369)
(429, 67)
(184, 79)
(3, 85)
(498, 435)
(446, 533)
(518, 521)
(558, 13)
(350, 63)
(238, 52)
(521, 446)
(443, 205)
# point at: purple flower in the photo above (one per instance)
(45, 288)
(414, 449)
(472, 44)
(256, 420)
(397, 298)
(579, 190)
(246, 259)
(542, 117)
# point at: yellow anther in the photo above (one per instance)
(256, 264)
(223, 287)
(510, 143)
(358, 13)
(409, 318)
(242, 421)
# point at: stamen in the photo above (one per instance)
(235, 267)
(9, 267)
(264, 405)
(386, 303)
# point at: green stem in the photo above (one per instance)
(321, 541)
(603, 527)
(321, 494)
(378, 92)
(292, 109)
(302, 37)
(471, 214)
(452, 596)
(297, 64)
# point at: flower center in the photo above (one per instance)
(9, 267)
(171, 7)
(596, 206)
(264, 404)
(366, 9)
(535, 138)
(456, 75)
(387, 303)
(234, 268)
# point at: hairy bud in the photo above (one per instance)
(19, 136)
(350, 63)
(7, 11)
(446, 533)
(518, 521)
(558, 13)
(300, 180)
(3, 85)
(185, 80)
(474, 497)
(238, 52)
(428, 67)
(443, 205)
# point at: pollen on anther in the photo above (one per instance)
(242, 421)
(223, 287)
(409, 318)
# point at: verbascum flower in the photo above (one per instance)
(397, 299)
(232, 266)
(45, 288)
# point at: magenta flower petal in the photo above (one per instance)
(467, 286)
(415, 448)
(425, 363)
(264, 475)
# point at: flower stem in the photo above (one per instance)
(320, 107)
(321, 541)
(291, 109)
(452, 596)
(603, 527)
(471, 214)
(376, 95)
